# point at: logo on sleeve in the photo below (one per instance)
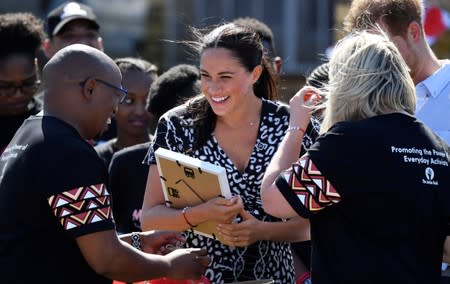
(429, 177)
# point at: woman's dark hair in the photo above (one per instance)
(20, 33)
(172, 88)
(319, 76)
(131, 63)
(246, 46)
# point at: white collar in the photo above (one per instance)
(438, 80)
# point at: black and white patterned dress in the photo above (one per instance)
(263, 259)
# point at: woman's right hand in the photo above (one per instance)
(301, 106)
(223, 210)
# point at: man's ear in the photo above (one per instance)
(47, 46)
(414, 31)
(88, 89)
(100, 43)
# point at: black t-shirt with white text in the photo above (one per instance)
(52, 190)
(376, 192)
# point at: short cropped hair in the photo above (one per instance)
(173, 87)
(21, 33)
(368, 77)
(396, 14)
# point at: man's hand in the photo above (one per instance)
(161, 241)
(188, 263)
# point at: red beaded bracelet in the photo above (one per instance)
(183, 212)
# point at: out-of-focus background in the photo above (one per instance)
(304, 30)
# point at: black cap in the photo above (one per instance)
(67, 12)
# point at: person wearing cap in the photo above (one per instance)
(70, 23)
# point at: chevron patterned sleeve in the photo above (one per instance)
(83, 210)
(306, 189)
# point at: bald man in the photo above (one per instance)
(57, 224)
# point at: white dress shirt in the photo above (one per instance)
(433, 101)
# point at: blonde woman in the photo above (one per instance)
(375, 186)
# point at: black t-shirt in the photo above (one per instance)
(52, 190)
(376, 192)
(127, 181)
(106, 150)
(10, 124)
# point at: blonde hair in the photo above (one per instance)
(368, 77)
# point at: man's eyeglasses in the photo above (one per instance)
(27, 88)
(123, 92)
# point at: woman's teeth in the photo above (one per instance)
(219, 99)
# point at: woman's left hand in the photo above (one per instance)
(242, 234)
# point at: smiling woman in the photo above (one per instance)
(132, 118)
(237, 124)
(21, 35)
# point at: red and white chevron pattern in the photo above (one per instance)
(313, 190)
(81, 206)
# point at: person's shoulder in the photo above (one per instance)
(133, 148)
(61, 141)
(57, 131)
(349, 127)
(132, 151)
(128, 158)
(277, 107)
(178, 113)
(444, 71)
(105, 146)
(445, 62)
(378, 125)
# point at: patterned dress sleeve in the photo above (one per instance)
(306, 189)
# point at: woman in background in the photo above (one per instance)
(132, 118)
(21, 35)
